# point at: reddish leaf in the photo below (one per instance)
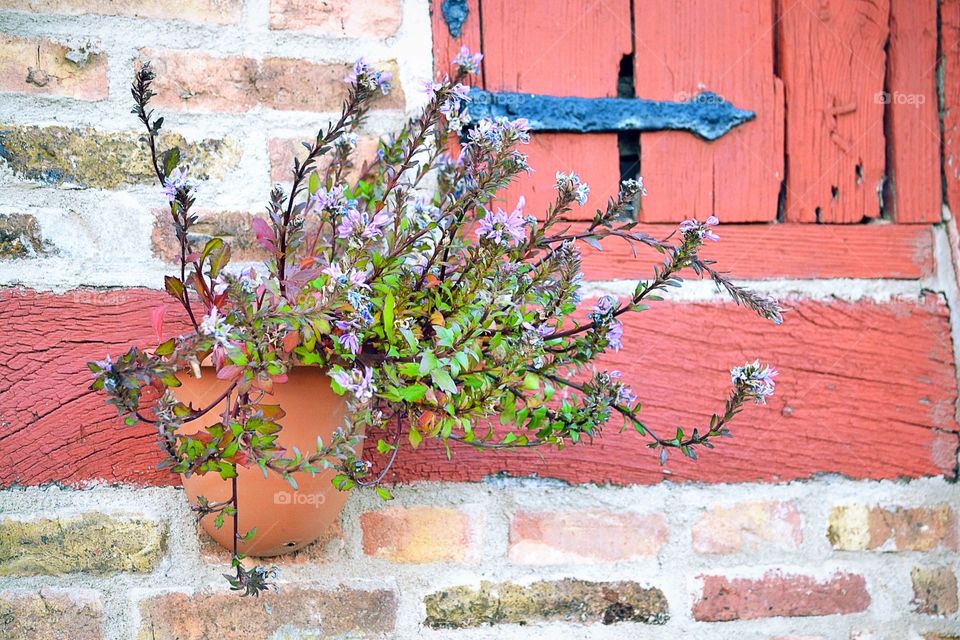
(264, 233)
(156, 317)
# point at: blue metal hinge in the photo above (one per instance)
(705, 114)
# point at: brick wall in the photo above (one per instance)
(832, 514)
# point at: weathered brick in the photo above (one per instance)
(775, 594)
(338, 18)
(934, 590)
(417, 534)
(42, 66)
(91, 543)
(197, 81)
(282, 151)
(235, 227)
(541, 538)
(215, 11)
(294, 612)
(566, 600)
(748, 526)
(50, 615)
(106, 160)
(20, 237)
(859, 527)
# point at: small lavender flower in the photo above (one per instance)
(702, 229)
(328, 200)
(502, 227)
(250, 280)
(615, 335)
(756, 380)
(630, 188)
(216, 326)
(178, 180)
(106, 364)
(467, 62)
(359, 223)
(571, 188)
(357, 382)
(366, 77)
(605, 304)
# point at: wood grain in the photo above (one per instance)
(560, 48)
(445, 46)
(833, 65)
(867, 390)
(688, 46)
(913, 118)
(950, 52)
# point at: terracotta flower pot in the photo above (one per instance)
(285, 519)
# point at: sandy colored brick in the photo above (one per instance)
(20, 237)
(569, 600)
(295, 612)
(747, 527)
(859, 527)
(282, 151)
(190, 80)
(45, 67)
(235, 227)
(417, 534)
(338, 18)
(90, 158)
(50, 614)
(215, 11)
(91, 543)
(778, 595)
(585, 537)
(934, 590)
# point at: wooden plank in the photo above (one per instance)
(797, 251)
(866, 390)
(950, 53)
(561, 48)
(687, 46)
(833, 64)
(913, 118)
(445, 45)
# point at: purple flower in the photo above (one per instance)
(614, 336)
(468, 62)
(605, 304)
(503, 227)
(177, 180)
(328, 200)
(216, 326)
(625, 395)
(756, 380)
(354, 277)
(359, 223)
(366, 77)
(702, 229)
(359, 383)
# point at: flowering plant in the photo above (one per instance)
(431, 309)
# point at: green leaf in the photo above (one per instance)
(428, 362)
(227, 470)
(413, 393)
(171, 158)
(415, 438)
(166, 348)
(383, 446)
(212, 245)
(388, 305)
(443, 380)
(314, 184)
(174, 287)
(531, 382)
(248, 536)
(384, 494)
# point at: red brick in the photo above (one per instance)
(748, 526)
(41, 66)
(776, 595)
(858, 527)
(585, 537)
(338, 18)
(417, 534)
(282, 151)
(903, 388)
(194, 81)
(215, 11)
(222, 614)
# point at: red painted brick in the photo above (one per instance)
(214, 11)
(585, 537)
(417, 535)
(748, 527)
(41, 66)
(53, 430)
(775, 595)
(195, 81)
(338, 18)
